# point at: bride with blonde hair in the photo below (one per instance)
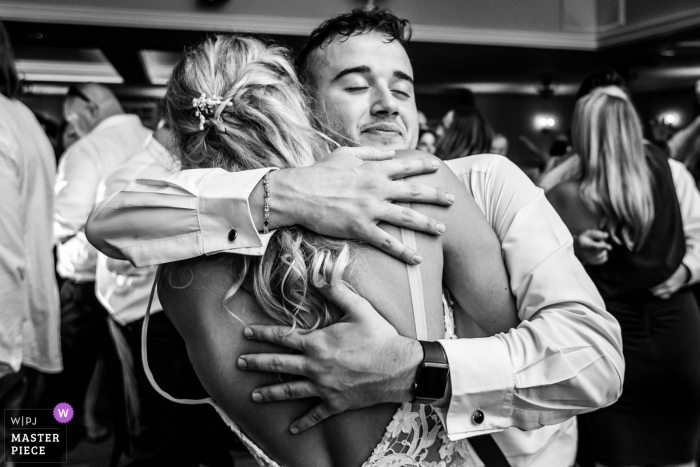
(235, 103)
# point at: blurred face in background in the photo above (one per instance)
(697, 91)
(364, 87)
(69, 136)
(499, 145)
(79, 115)
(427, 142)
(445, 124)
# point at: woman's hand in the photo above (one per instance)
(671, 285)
(590, 247)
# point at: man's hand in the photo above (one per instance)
(671, 285)
(591, 247)
(351, 190)
(357, 362)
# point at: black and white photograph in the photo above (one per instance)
(350, 233)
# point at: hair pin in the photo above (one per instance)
(207, 106)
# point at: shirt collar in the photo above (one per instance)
(117, 120)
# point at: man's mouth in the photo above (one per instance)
(383, 129)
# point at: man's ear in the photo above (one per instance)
(94, 110)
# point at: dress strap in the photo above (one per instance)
(415, 284)
(144, 354)
(258, 453)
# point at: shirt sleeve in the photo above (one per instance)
(179, 216)
(14, 295)
(565, 358)
(689, 201)
(76, 189)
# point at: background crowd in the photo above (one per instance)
(71, 318)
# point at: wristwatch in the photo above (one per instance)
(432, 376)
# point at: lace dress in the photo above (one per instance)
(415, 437)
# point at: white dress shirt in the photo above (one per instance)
(29, 308)
(564, 359)
(80, 185)
(686, 192)
(123, 289)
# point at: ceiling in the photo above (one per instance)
(56, 51)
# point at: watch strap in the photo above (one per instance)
(433, 352)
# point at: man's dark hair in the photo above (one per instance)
(358, 21)
(10, 84)
(599, 79)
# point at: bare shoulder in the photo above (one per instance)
(564, 194)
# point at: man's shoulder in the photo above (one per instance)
(488, 164)
(491, 173)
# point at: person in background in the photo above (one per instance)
(426, 141)
(502, 384)
(466, 133)
(155, 424)
(631, 197)
(69, 135)
(422, 121)
(499, 144)
(29, 307)
(684, 146)
(108, 138)
(568, 167)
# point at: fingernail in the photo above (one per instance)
(248, 333)
(440, 228)
(417, 259)
(436, 164)
(257, 397)
(294, 430)
(242, 364)
(450, 197)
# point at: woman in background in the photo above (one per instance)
(630, 196)
(466, 133)
(426, 141)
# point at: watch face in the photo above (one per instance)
(432, 381)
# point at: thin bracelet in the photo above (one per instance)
(266, 205)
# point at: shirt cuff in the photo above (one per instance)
(482, 387)
(691, 261)
(224, 214)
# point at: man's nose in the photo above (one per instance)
(385, 103)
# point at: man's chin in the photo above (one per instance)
(383, 142)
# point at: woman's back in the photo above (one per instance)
(657, 257)
(469, 252)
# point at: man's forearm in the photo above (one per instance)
(407, 356)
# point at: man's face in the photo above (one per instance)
(77, 113)
(365, 88)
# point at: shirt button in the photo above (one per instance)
(478, 417)
(232, 235)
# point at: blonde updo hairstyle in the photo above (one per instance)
(268, 124)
